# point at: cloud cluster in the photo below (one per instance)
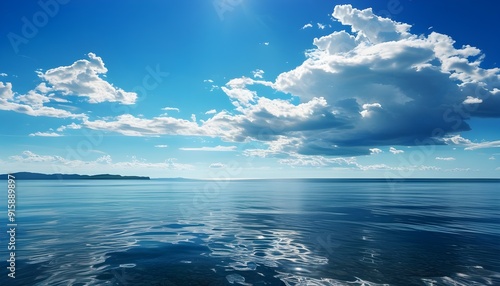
(395, 151)
(445, 158)
(32, 103)
(374, 85)
(61, 164)
(217, 148)
(468, 144)
(82, 78)
(388, 86)
(130, 125)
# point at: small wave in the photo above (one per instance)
(296, 280)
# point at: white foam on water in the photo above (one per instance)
(296, 280)
(476, 276)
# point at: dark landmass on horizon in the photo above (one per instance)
(40, 176)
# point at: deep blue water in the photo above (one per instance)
(255, 232)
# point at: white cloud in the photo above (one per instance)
(297, 160)
(104, 159)
(458, 170)
(258, 73)
(320, 26)
(445, 158)
(316, 161)
(376, 29)
(472, 100)
(375, 151)
(492, 158)
(46, 134)
(6, 91)
(64, 165)
(216, 165)
(218, 148)
(208, 80)
(211, 111)
(266, 43)
(31, 103)
(43, 88)
(37, 110)
(368, 108)
(33, 99)
(395, 151)
(482, 145)
(456, 140)
(58, 99)
(469, 145)
(235, 89)
(170, 108)
(29, 157)
(130, 125)
(79, 79)
(82, 78)
(402, 169)
(387, 85)
(161, 146)
(308, 25)
(3, 74)
(73, 125)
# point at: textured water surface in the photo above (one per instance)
(256, 232)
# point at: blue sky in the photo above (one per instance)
(251, 89)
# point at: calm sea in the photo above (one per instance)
(255, 232)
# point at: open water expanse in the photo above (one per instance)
(254, 232)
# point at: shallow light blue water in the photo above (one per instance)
(255, 232)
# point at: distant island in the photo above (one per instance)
(39, 176)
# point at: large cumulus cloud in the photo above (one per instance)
(393, 87)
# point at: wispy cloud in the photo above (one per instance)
(482, 145)
(308, 25)
(161, 146)
(218, 148)
(469, 145)
(45, 134)
(445, 158)
(216, 165)
(258, 73)
(170, 109)
(105, 162)
(395, 151)
(73, 125)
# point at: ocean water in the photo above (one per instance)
(255, 232)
